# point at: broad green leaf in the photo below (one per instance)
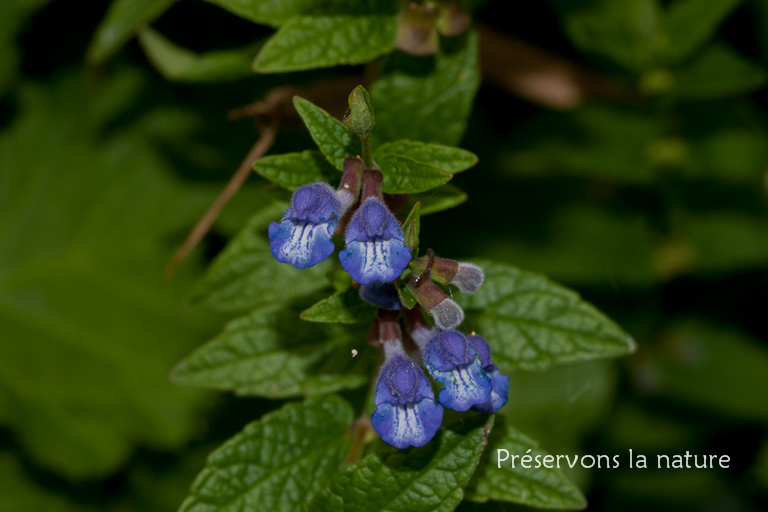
(404, 175)
(439, 199)
(334, 141)
(568, 239)
(447, 158)
(428, 98)
(21, 494)
(604, 142)
(13, 15)
(731, 153)
(339, 33)
(722, 241)
(496, 479)
(715, 72)
(123, 19)
(246, 275)
(710, 366)
(276, 463)
(533, 323)
(626, 32)
(178, 64)
(272, 353)
(341, 308)
(690, 23)
(89, 330)
(265, 12)
(293, 170)
(431, 478)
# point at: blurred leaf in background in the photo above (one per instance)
(90, 331)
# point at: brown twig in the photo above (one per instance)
(268, 129)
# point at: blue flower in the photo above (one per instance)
(406, 412)
(303, 236)
(381, 295)
(375, 250)
(454, 362)
(500, 382)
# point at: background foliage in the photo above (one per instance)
(646, 191)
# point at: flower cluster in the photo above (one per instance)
(388, 276)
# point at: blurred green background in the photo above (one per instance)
(645, 190)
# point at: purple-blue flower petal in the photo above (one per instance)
(375, 245)
(454, 362)
(406, 412)
(301, 244)
(401, 381)
(302, 238)
(381, 295)
(498, 395)
(378, 260)
(407, 425)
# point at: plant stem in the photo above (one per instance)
(367, 158)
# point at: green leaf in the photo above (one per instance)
(533, 323)
(271, 353)
(334, 141)
(13, 16)
(270, 12)
(276, 463)
(497, 480)
(360, 119)
(123, 19)
(439, 199)
(21, 494)
(404, 175)
(447, 158)
(715, 72)
(604, 142)
(430, 478)
(412, 226)
(688, 24)
(710, 366)
(428, 98)
(341, 33)
(626, 32)
(246, 275)
(406, 297)
(178, 64)
(89, 330)
(293, 170)
(342, 308)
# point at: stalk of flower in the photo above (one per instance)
(500, 382)
(406, 412)
(375, 249)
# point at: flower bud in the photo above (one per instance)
(446, 313)
(467, 277)
(416, 31)
(360, 119)
(349, 187)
